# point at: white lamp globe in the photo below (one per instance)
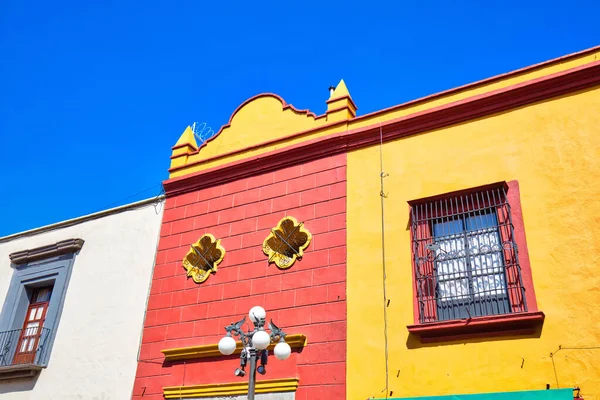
(257, 313)
(282, 351)
(227, 345)
(261, 340)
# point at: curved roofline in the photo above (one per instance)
(407, 104)
(284, 106)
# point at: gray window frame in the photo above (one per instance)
(32, 273)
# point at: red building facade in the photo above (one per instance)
(307, 299)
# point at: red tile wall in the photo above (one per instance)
(308, 298)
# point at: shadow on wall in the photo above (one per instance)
(413, 341)
(18, 385)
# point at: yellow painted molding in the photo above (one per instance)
(212, 350)
(230, 389)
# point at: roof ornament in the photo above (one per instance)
(202, 132)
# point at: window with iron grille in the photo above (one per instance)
(465, 258)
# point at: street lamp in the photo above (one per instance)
(255, 345)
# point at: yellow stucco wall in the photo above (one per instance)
(551, 148)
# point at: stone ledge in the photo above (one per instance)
(52, 250)
(494, 325)
(230, 389)
(19, 371)
(212, 350)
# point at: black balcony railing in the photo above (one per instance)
(24, 346)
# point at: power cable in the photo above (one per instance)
(383, 196)
(162, 190)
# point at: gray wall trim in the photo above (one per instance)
(55, 271)
(49, 251)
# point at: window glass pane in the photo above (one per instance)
(39, 313)
(485, 251)
(447, 228)
(454, 289)
(484, 221)
(32, 314)
(489, 285)
(31, 343)
(23, 345)
(43, 295)
(451, 258)
(32, 328)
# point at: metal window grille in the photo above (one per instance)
(465, 257)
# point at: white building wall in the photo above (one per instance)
(96, 346)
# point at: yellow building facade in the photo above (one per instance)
(423, 316)
(550, 148)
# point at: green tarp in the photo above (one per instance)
(554, 394)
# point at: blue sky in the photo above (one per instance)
(94, 94)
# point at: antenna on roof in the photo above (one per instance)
(202, 131)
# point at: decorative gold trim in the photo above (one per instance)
(230, 389)
(212, 350)
(284, 261)
(201, 274)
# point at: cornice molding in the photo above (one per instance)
(52, 250)
(75, 221)
(212, 350)
(491, 325)
(230, 389)
(19, 371)
(345, 97)
(474, 107)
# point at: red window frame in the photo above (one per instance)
(31, 335)
(426, 325)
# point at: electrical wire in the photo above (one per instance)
(567, 348)
(162, 190)
(182, 381)
(555, 374)
(383, 195)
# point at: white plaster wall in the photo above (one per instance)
(95, 351)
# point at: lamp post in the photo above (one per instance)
(255, 345)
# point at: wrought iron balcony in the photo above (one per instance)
(23, 352)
